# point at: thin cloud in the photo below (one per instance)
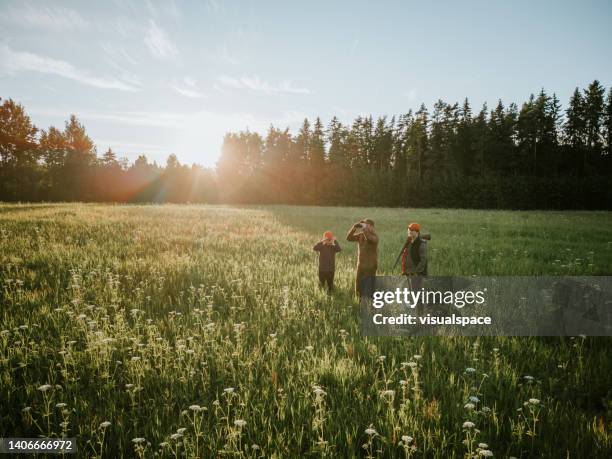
(160, 46)
(163, 8)
(177, 120)
(134, 118)
(258, 85)
(118, 53)
(21, 61)
(188, 88)
(40, 16)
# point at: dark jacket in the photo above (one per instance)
(414, 258)
(327, 255)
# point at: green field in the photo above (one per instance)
(196, 331)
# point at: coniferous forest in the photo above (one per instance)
(539, 155)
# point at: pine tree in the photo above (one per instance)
(79, 161)
(317, 145)
(382, 144)
(481, 140)
(335, 140)
(109, 159)
(465, 140)
(593, 115)
(575, 129)
(608, 125)
(419, 142)
(303, 141)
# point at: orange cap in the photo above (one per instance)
(414, 227)
(328, 235)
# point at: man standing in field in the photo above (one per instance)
(367, 252)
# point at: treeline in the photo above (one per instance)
(63, 165)
(536, 157)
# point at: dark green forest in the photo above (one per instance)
(538, 156)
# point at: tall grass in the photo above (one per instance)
(200, 331)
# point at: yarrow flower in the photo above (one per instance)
(470, 370)
(483, 446)
(407, 439)
(138, 440)
(240, 423)
(45, 387)
(195, 408)
(534, 401)
(371, 431)
(104, 425)
(468, 425)
(318, 391)
(485, 453)
(469, 406)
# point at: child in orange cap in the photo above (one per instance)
(327, 248)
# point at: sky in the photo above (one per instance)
(160, 77)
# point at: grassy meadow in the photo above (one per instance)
(200, 331)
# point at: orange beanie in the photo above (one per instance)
(328, 235)
(414, 227)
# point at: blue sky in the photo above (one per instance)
(160, 77)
